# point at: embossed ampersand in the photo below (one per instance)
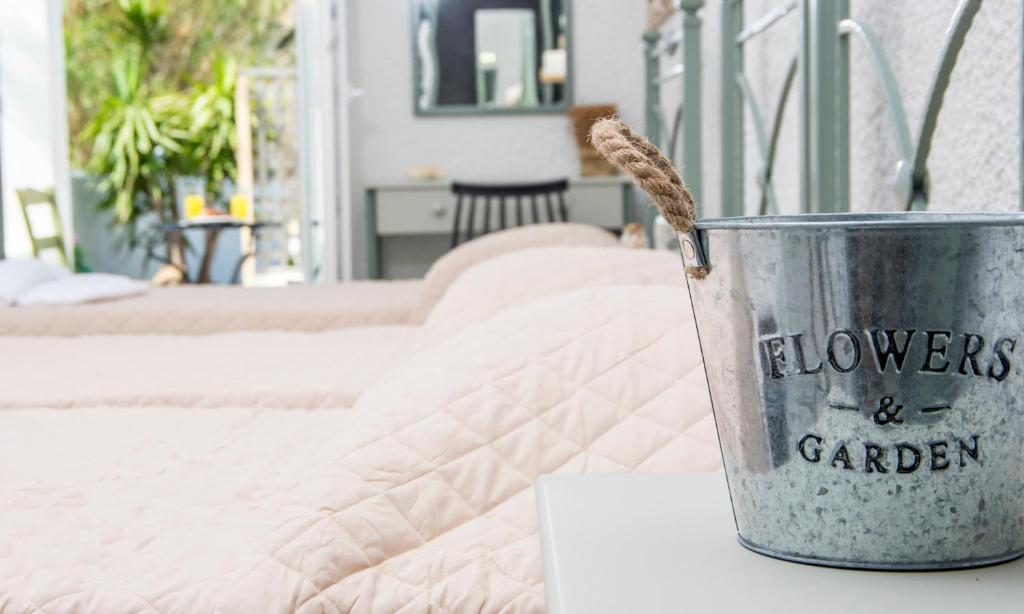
(886, 413)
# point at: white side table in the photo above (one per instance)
(667, 543)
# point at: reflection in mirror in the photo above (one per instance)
(505, 58)
(491, 55)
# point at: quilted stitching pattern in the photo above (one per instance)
(513, 279)
(450, 266)
(246, 369)
(418, 499)
(200, 310)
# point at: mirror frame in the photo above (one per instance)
(473, 110)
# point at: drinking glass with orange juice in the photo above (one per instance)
(193, 196)
(240, 209)
(194, 204)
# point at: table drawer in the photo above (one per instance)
(599, 205)
(415, 212)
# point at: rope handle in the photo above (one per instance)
(651, 170)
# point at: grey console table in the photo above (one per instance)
(420, 214)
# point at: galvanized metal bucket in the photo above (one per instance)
(864, 371)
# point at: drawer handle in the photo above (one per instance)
(439, 210)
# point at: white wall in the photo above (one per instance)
(388, 137)
(975, 160)
(33, 118)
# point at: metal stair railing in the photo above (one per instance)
(819, 64)
(686, 118)
(820, 69)
(911, 178)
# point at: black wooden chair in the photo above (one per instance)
(503, 196)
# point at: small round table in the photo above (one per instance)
(213, 227)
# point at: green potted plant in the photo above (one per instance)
(152, 86)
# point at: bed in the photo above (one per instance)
(209, 309)
(302, 370)
(418, 498)
(285, 370)
(197, 310)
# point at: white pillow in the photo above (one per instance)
(82, 289)
(19, 276)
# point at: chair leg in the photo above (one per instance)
(501, 212)
(562, 209)
(533, 207)
(519, 210)
(487, 215)
(549, 208)
(458, 218)
(471, 224)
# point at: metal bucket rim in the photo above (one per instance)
(898, 220)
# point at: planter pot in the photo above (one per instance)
(866, 376)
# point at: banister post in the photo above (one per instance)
(732, 109)
(652, 96)
(693, 139)
(824, 107)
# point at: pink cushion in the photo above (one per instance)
(452, 264)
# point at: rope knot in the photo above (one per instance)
(650, 169)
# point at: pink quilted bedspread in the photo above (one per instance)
(418, 499)
(327, 369)
(198, 310)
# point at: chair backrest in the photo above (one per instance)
(500, 197)
(35, 200)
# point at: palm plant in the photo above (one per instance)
(142, 139)
(211, 138)
(135, 136)
(138, 139)
(169, 111)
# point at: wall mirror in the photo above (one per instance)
(491, 56)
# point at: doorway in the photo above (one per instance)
(159, 102)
